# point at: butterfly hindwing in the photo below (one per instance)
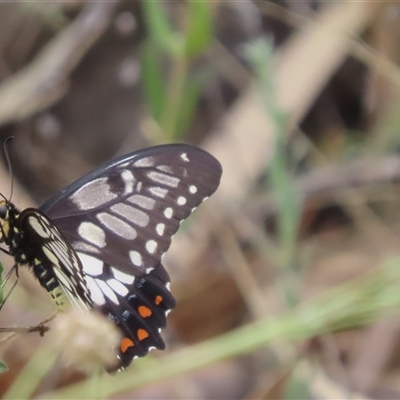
(53, 258)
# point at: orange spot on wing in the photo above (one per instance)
(144, 311)
(142, 334)
(125, 344)
(158, 300)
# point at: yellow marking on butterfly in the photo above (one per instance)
(59, 299)
(5, 221)
(57, 295)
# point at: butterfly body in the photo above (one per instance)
(99, 242)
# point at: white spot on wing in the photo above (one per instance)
(84, 247)
(39, 228)
(91, 265)
(117, 226)
(165, 168)
(128, 179)
(181, 200)
(184, 157)
(192, 189)
(158, 191)
(145, 162)
(160, 228)
(142, 201)
(93, 194)
(92, 233)
(123, 276)
(118, 287)
(51, 256)
(107, 291)
(165, 179)
(133, 214)
(168, 212)
(95, 293)
(136, 258)
(151, 246)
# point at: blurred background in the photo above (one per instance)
(288, 278)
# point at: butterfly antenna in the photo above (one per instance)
(5, 147)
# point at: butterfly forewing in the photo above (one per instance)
(130, 209)
(120, 220)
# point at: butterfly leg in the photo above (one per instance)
(14, 268)
(5, 251)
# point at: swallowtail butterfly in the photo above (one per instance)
(98, 243)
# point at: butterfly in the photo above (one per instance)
(98, 243)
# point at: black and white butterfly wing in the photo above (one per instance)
(120, 220)
(54, 261)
